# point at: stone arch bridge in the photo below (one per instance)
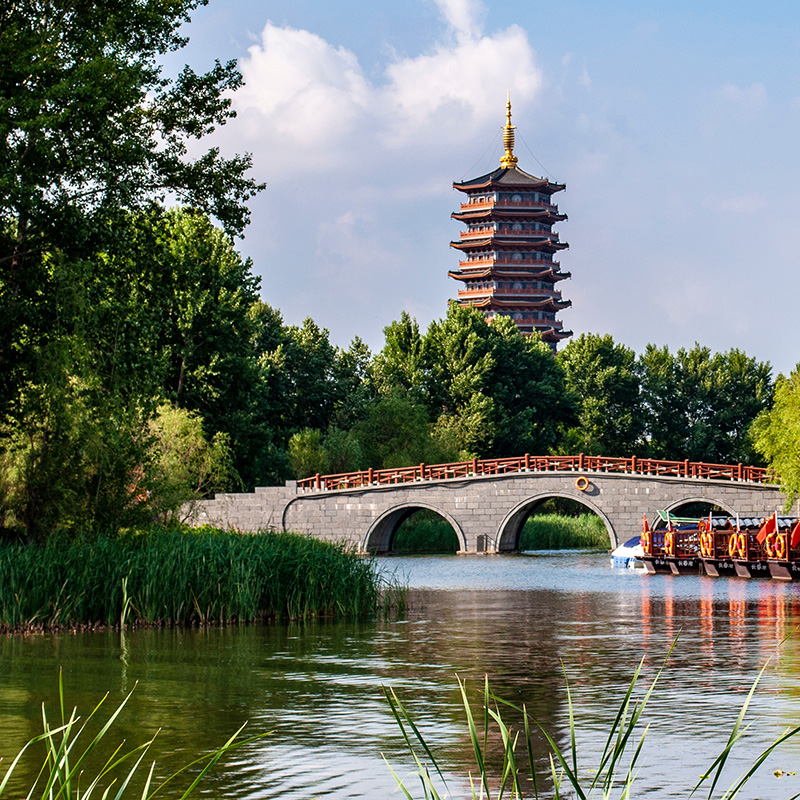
(487, 502)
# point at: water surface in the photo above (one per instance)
(316, 689)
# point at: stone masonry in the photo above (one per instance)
(486, 512)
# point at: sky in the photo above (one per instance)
(674, 125)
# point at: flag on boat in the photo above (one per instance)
(645, 526)
(770, 526)
(795, 538)
(738, 528)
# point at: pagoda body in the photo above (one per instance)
(508, 265)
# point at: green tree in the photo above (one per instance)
(492, 391)
(603, 378)
(182, 464)
(401, 364)
(397, 433)
(776, 434)
(699, 405)
(306, 453)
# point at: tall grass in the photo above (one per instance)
(557, 532)
(71, 752)
(612, 776)
(181, 577)
(425, 532)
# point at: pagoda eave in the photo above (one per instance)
(542, 244)
(495, 304)
(506, 178)
(511, 213)
(522, 272)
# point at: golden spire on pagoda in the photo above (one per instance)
(509, 159)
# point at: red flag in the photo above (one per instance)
(645, 526)
(795, 535)
(770, 526)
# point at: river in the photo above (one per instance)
(315, 689)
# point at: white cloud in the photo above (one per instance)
(462, 17)
(306, 101)
(301, 86)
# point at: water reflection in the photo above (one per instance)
(316, 688)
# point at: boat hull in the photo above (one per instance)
(717, 568)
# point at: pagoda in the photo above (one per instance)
(508, 249)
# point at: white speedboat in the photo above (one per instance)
(628, 555)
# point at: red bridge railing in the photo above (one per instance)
(529, 463)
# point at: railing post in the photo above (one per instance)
(370, 476)
(580, 462)
(422, 471)
(633, 463)
(527, 462)
(316, 478)
(474, 466)
(740, 470)
(686, 468)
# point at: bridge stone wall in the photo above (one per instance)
(486, 512)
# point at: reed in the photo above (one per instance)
(558, 532)
(71, 749)
(612, 776)
(184, 577)
(425, 532)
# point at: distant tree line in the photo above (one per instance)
(139, 367)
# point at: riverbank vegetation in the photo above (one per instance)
(140, 366)
(427, 532)
(74, 766)
(566, 774)
(559, 532)
(183, 577)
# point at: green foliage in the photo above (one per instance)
(425, 532)
(603, 378)
(306, 454)
(699, 406)
(613, 774)
(558, 532)
(776, 434)
(68, 747)
(493, 392)
(181, 577)
(401, 365)
(397, 433)
(183, 464)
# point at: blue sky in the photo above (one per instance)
(675, 126)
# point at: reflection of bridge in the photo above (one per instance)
(487, 502)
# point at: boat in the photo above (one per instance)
(628, 555)
(725, 546)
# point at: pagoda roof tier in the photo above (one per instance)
(507, 178)
(494, 303)
(485, 272)
(553, 335)
(543, 244)
(509, 214)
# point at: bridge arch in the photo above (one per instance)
(507, 538)
(696, 499)
(380, 534)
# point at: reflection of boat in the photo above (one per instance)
(628, 555)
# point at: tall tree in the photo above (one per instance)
(492, 391)
(603, 378)
(699, 405)
(90, 126)
(776, 434)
